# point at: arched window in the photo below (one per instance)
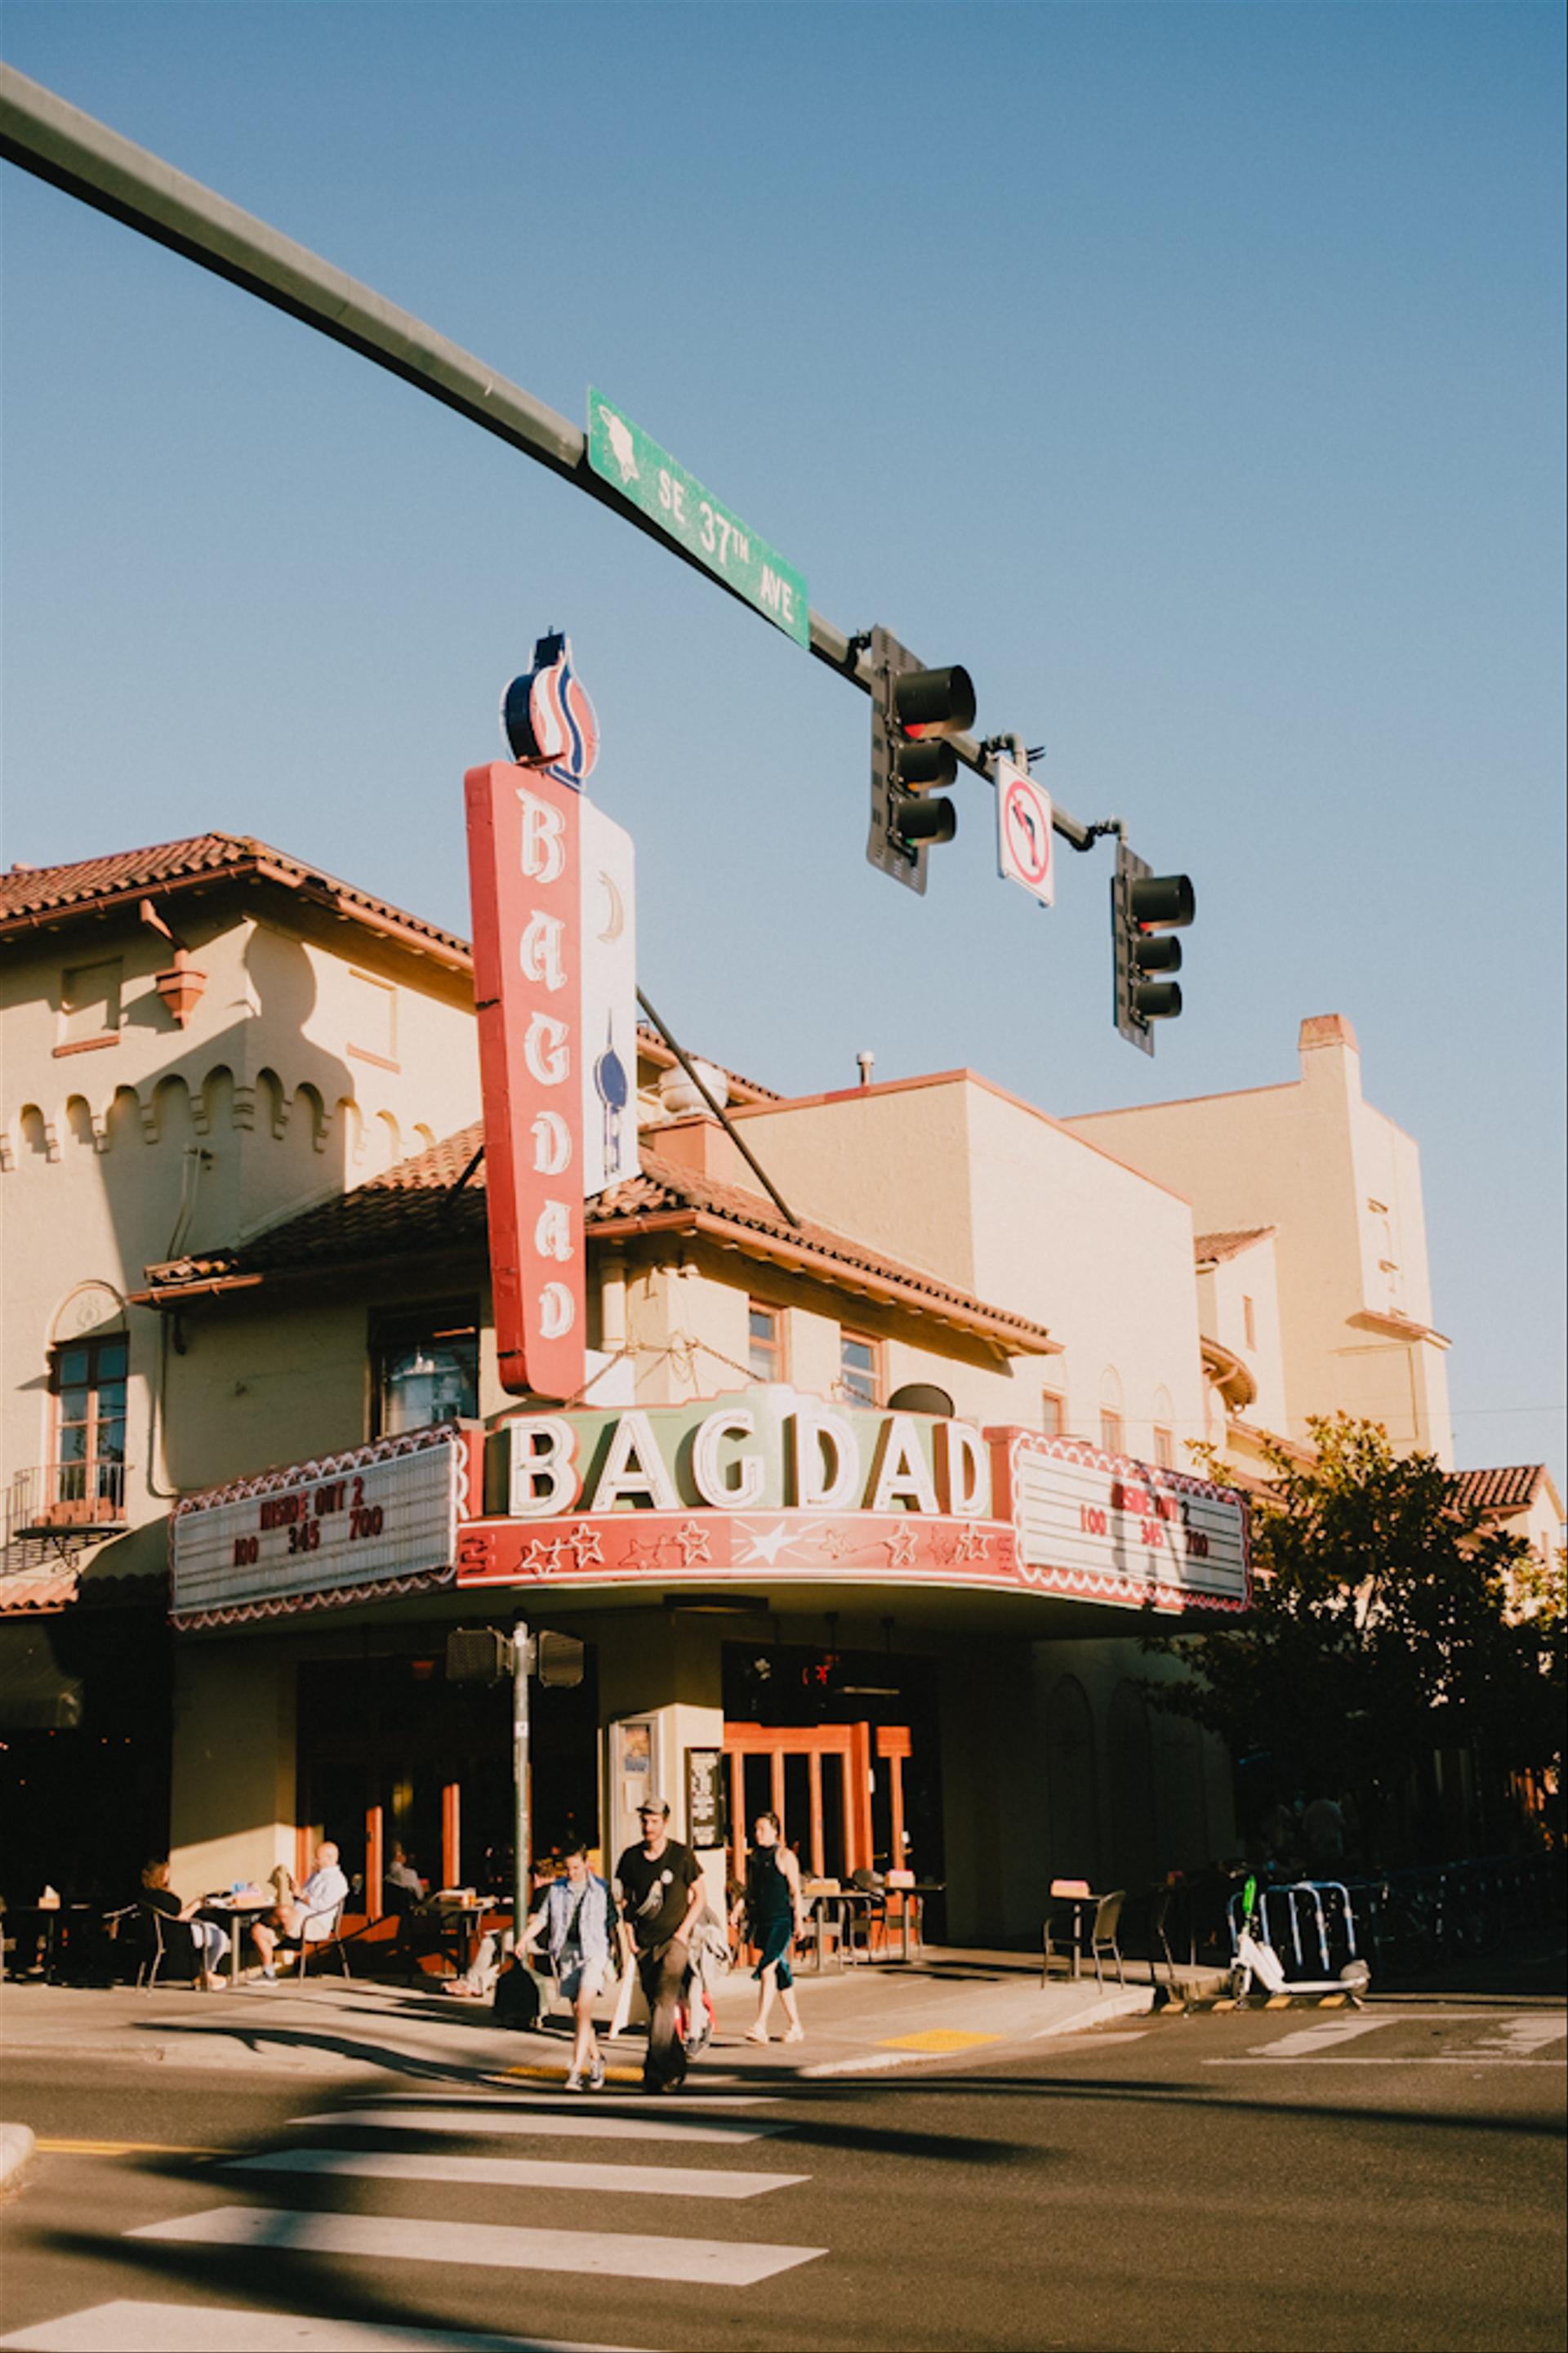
(89, 1364)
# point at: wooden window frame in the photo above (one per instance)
(1112, 1430)
(1053, 1400)
(1164, 1446)
(395, 1331)
(94, 1502)
(779, 1345)
(878, 1351)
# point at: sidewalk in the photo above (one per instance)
(945, 2005)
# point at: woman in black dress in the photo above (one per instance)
(775, 1915)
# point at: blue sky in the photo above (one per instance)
(1193, 375)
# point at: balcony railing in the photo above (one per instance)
(55, 1499)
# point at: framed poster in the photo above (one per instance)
(707, 1799)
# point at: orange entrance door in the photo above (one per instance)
(826, 1811)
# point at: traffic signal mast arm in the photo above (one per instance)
(57, 142)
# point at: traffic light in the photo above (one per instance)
(1145, 909)
(911, 710)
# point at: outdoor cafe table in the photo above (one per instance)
(46, 1924)
(838, 1906)
(907, 1908)
(458, 1924)
(236, 1915)
(1083, 1904)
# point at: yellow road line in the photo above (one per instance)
(937, 2037)
(124, 2148)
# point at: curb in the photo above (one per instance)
(16, 2145)
(1130, 2001)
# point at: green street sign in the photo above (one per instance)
(649, 479)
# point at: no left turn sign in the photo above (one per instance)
(1024, 833)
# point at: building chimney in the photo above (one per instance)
(868, 1063)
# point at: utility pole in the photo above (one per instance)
(521, 1659)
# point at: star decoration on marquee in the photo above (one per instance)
(693, 1542)
(638, 1554)
(968, 1545)
(766, 1544)
(836, 1543)
(901, 1548)
(585, 1548)
(543, 1556)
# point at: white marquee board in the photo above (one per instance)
(376, 1514)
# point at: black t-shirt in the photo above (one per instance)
(652, 1892)
(177, 1938)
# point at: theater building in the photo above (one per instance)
(840, 1535)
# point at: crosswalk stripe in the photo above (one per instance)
(1313, 2039)
(1516, 2037)
(491, 2246)
(529, 2095)
(519, 2172)
(577, 2123)
(127, 2325)
(1477, 2059)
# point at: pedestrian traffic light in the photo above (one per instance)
(911, 710)
(1145, 909)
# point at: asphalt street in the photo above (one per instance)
(1301, 2178)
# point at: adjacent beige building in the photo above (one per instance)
(1319, 1287)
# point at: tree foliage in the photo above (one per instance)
(1385, 1622)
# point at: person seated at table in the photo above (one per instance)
(403, 1886)
(201, 1942)
(309, 1918)
(478, 1981)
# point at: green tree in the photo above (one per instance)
(1386, 1622)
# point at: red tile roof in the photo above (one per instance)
(31, 1595)
(1511, 1488)
(413, 1209)
(35, 895)
(30, 895)
(1209, 1249)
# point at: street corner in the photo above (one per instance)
(17, 2147)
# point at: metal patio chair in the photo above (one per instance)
(332, 1940)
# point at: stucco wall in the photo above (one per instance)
(1311, 1159)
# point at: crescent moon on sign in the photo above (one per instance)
(618, 922)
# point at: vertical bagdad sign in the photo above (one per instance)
(554, 980)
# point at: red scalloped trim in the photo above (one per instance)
(241, 1613)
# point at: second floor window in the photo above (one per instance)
(1111, 1431)
(425, 1368)
(88, 1383)
(766, 1351)
(859, 1369)
(89, 1003)
(1164, 1449)
(1052, 1414)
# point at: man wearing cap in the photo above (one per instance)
(661, 1887)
